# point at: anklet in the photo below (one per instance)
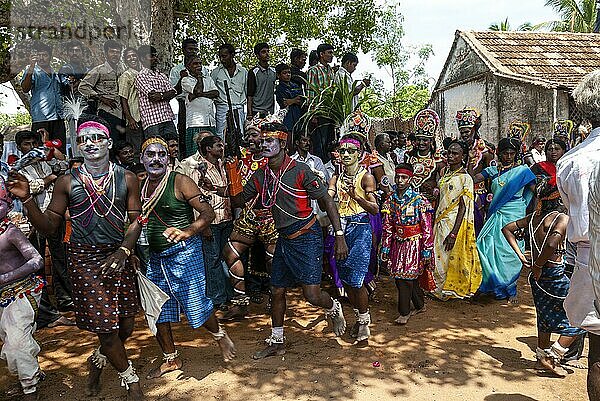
(98, 359)
(128, 376)
(168, 358)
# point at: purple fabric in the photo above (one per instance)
(480, 203)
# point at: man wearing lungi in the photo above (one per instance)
(287, 187)
(101, 197)
(354, 189)
(255, 223)
(20, 294)
(176, 260)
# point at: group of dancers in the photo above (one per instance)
(448, 222)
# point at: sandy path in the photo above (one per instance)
(454, 351)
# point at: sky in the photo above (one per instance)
(430, 22)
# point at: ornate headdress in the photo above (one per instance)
(4, 194)
(357, 123)
(264, 125)
(427, 122)
(468, 118)
(154, 139)
(563, 128)
(518, 130)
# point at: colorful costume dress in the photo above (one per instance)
(500, 265)
(407, 234)
(424, 178)
(458, 272)
(178, 269)
(480, 149)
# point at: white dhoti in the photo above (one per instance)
(579, 303)
(20, 350)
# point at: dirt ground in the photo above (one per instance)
(454, 351)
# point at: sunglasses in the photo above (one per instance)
(94, 138)
(350, 151)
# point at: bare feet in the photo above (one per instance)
(548, 363)
(354, 330)
(135, 392)
(227, 348)
(417, 311)
(402, 320)
(513, 300)
(93, 382)
(362, 343)
(235, 313)
(270, 350)
(165, 367)
(337, 318)
(31, 396)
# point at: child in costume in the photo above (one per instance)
(407, 242)
(20, 294)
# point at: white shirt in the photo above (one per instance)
(537, 156)
(35, 174)
(574, 178)
(594, 226)
(237, 84)
(316, 165)
(200, 112)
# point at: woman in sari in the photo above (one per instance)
(512, 187)
(457, 268)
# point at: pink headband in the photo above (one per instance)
(93, 124)
(351, 141)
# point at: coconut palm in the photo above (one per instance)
(504, 26)
(575, 16)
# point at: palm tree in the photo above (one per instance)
(575, 16)
(504, 26)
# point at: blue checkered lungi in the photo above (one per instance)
(549, 292)
(299, 260)
(359, 238)
(179, 272)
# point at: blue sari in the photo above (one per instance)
(500, 265)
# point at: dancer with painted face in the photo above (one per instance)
(426, 162)
(255, 223)
(286, 187)
(480, 157)
(20, 294)
(354, 189)
(176, 261)
(101, 198)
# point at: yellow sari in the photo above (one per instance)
(458, 272)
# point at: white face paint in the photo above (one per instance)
(349, 154)
(270, 147)
(155, 159)
(93, 143)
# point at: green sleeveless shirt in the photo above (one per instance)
(169, 212)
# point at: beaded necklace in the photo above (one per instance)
(266, 190)
(447, 177)
(149, 202)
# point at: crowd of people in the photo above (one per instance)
(137, 198)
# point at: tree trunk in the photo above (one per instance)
(161, 34)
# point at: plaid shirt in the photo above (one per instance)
(319, 75)
(153, 113)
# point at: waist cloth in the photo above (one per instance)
(298, 260)
(179, 272)
(549, 293)
(20, 288)
(99, 301)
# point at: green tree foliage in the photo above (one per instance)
(504, 26)
(11, 120)
(347, 25)
(404, 65)
(575, 16)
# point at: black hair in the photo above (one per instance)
(349, 58)
(509, 143)
(313, 58)
(555, 141)
(25, 135)
(379, 138)
(463, 146)
(144, 50)
(42, 47)
(446, 142)
(405, 166)
(74, 43)
(323, 47)
(295, 53)
(279, 68)
(120, 145)
(208, 142)
(112, 44)
(301, 134)
(227, 46)
(259, 46)
(130, 49)
(188, 41)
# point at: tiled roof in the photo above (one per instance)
(556, 59)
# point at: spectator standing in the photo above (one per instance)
(199, 91)
(288, 95)
(261, 83)
(101, 85)
(45, 86)
(130, 101)
(237, 79)
(320, 76)
(214, 185)
(73, 72)
(298, 61)
(349, 63)
(154, 93)
(123, 154)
